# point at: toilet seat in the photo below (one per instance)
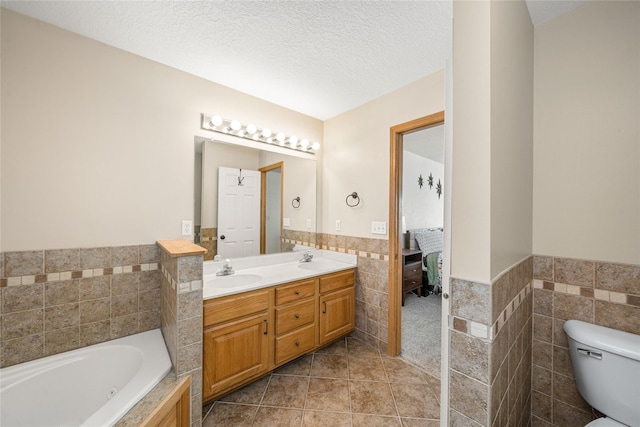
(605, 422)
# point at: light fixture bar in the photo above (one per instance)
(251, 132)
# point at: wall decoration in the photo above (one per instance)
(420, 181)
(430, 180)
(439, 189)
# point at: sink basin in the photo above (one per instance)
(234, 280)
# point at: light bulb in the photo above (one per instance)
(315, 145)
(256, 136)
(293, 140)
(241, 133)
(266, 132)
(269, 140)
(304, 143)
(216, 121)
(251, 129)
(280, 138)
(235, 125)
(226, 129)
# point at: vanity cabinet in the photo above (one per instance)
(337, 306)
(247, 335)
(236, 341)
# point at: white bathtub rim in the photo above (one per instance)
(155, 359)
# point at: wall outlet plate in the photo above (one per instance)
(378, 227)
(338, 225)
(286, 222)
(187, 228)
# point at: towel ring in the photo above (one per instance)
(355, 196)
(296, 202)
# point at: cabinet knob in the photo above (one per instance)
(297, 343)
(297, 292)
(297, 316)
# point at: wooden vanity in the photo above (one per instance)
(249, 334)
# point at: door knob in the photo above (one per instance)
(222, 237)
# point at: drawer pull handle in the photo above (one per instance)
(297, 316)
(266, 327)
(324, 307)
(297, 292)
(297, 343)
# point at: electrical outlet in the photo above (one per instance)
(187, 228)
(286, 222)
(308, 222)
(378, 227)
(337, 225)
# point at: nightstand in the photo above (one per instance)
(411, 271)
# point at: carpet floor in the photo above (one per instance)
(421, 321)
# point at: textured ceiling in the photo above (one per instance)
(320, 58)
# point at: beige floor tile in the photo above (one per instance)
(368, 397)
(366, 369)
(364, 420)
(399, 371)
(300, 366)
(286, 391)
(329, 366)
(250, 394)
(415, 400)
(339, 348)
(328, 394)
(230, 415)
(277, 417)
(419, 422)
(326, 419)
(355, 347)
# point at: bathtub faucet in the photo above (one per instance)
(307, 257)
(226, 268)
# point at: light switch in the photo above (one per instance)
(337, 225)
(378, 227)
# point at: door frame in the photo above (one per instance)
(263, 203)
(395, 204)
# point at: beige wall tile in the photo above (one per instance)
(61, 316)
(95, 258)
(562, 361)
(623, 278)
(617, 316)
(22, 349)
(62, 292)
(543, 268)
(469, 397)
(149, 300)
(124, 325)
(148, 320)
(189, 269)
(124, 283)
(61, 260)
(95, 310)
(148, 280)
(543, 328)
(567, 416)
(94, 287)
(124, 304)
(94, 333)
(24, 297)
(149, 254)
(61, 340)
(575, 307)
(23, 323)
(542, 380)
(470, 300)
(565, 390)
(469, 356)
(542, 354)
(23, 263)
(574, 272)
(124, 255)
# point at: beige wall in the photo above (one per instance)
(471, 174)
(97, 143)
(356, 155)
(511, 134)
(586, 134)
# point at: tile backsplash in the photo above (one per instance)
(53, 301)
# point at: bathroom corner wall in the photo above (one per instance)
(52, 301)
(181, 311)
(602, 293)
(372, 284)
(490, 349)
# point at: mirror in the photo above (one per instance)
(287, 197)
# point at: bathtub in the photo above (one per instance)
(91, 386)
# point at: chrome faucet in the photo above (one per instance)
(226, 268)
(307, 257)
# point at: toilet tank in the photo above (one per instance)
(606, 364)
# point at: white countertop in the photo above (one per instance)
(267, 270)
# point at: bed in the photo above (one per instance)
(429, 241)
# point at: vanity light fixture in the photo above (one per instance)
(234, 127)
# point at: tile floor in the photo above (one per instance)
(348, 383)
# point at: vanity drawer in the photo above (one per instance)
(295, 343)
(222, 309)
(293, 316)
(331, 282)
(296, 291)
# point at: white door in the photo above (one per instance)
(238, 212)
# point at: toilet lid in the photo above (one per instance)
(604, 422)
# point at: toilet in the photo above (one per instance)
(606, 364)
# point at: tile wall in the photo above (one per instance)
(209, 241)
(181, 310)
(603, 293)
(490, 349)
(53, 301)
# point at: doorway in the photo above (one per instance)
(422, 232)
(272, 179)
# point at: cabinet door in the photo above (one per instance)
(337, 314)
(234, 352)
